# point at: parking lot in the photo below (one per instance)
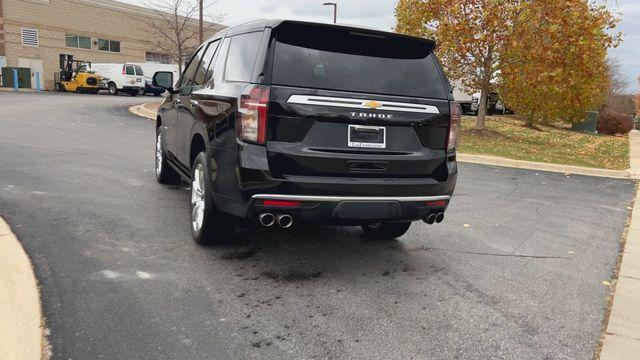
(515, 271)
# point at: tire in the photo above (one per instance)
(386, 231)
(113, 89)
(141, 92)
(157, 94)
(60, 87)
(165, 174)
(133, 92)
(79, 90)
(208, 225)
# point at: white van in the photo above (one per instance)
(127, 77)
(151, 68)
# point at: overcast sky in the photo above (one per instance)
(379, 13)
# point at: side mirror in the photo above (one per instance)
(164, 79)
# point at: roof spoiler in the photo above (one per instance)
(357, 30)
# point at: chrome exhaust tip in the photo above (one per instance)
(285, 221)
(439, 217)
(266, 219)
(430, 219)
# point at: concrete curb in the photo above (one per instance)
(531, 165)
(622, 335)
(142, 111)
(634, 154)
(22, 332)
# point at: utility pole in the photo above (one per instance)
(335, 10)
(200, 26)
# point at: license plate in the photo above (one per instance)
(367, 136)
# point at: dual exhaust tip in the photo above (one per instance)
(434, 218)
(268, 219)
(285, 221)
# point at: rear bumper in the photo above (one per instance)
(349, 210)
(351, 201)
(348, 199)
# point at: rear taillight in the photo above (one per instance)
(454, 125)
(251, 121)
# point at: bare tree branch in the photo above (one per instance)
(176, 27)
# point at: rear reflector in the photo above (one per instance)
(284, 203)
(436, 203)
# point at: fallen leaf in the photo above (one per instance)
(606, 283)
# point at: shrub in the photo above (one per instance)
(612, 123)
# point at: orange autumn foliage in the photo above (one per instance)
(547, 56)
(557, 69)
(471, 37)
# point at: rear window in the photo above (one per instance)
(139, 71)
(340, 59)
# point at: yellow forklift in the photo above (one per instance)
(76, 76)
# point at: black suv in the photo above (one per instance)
(277, 121)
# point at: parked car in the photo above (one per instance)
(280, 122)
(151, 68)
(149, 88)
(117, 77)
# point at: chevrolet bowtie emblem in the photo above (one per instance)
(372, 104)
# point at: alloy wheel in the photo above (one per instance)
(197, 198)
(159, 153)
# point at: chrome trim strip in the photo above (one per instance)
(361, 104)
(349, 198)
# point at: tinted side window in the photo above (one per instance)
(205, 70)
(129, 70)
(242, 56)
(219, 66)
(190, 71)
(139, 71)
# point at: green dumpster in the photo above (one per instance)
(24, 77)
(589, 124)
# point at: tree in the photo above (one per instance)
(176, 27)
(471, 37)
(617, 97)
(618, 83)
(557, 67)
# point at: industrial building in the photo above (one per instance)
(35, 33)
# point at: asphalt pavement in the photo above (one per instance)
(514, 272)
